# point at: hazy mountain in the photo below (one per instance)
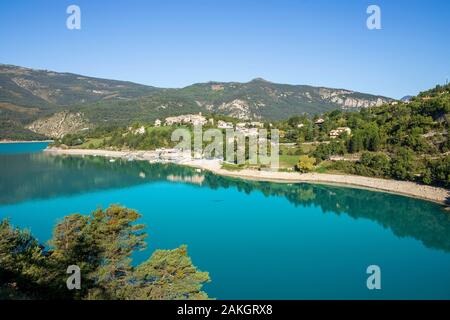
(406, 98)
(257, 99)
(28, 94)
(44, 89)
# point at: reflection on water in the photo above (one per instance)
(31, 176)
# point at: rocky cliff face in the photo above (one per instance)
(262, 99)
(236, 108)
(347, 99)
(60, 124)
(347, 103)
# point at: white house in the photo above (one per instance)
(194, 119)
(257, 124)
(157, 123)
(137, 131)
(337, 132)
(224, 125)
(319, 121)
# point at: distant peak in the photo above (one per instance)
(406, 98)
(259, 80)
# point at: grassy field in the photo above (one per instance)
(232, 167)
(288, 161)
(92, 143)
(307, 148)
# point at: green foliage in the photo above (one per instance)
(373, 165)
(13, 130)
(356, 143)
(21, 264)
(121, 138)
(170, 275)
(72, 140)
(325, 151)
(413, 137)
(403, 164)
(406, 141)
(122, 103)
(305, 164)
(101, 244)
(437, 171)
(232, 166)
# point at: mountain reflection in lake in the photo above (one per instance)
(53, 176)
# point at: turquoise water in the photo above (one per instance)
(27, 147)
(257, 240)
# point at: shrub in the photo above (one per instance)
(305, 164)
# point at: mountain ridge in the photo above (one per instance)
(29, 94)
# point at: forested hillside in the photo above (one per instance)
(28, 94)
(401, 140)
(405, 141)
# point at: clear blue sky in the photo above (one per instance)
(174, 43)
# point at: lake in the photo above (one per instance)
(257, 240)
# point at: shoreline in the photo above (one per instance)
(405, 188)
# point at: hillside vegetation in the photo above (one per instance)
(27, 95)
(405, 141)
(401, 140)
(257, 99)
